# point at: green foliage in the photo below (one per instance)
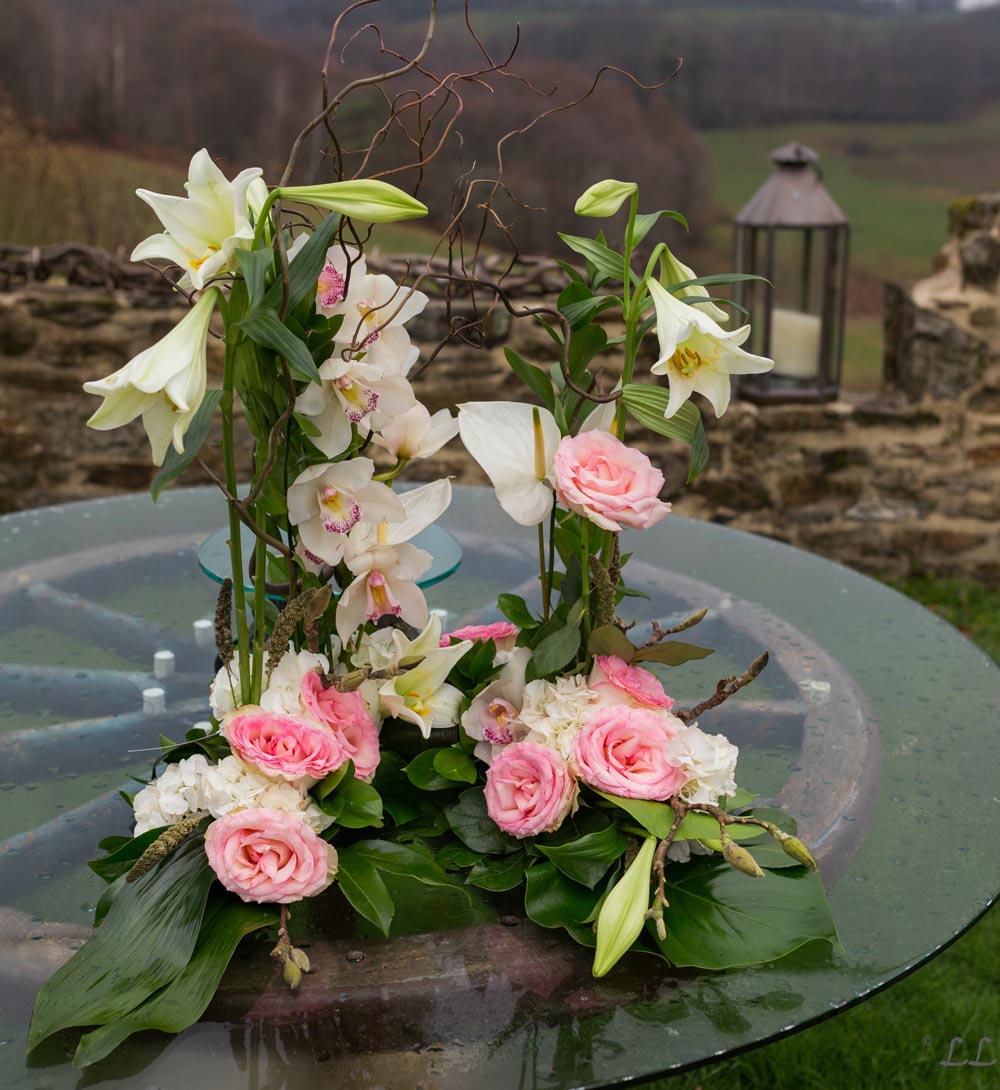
(470, 822)
(265, 328)
(648, 404)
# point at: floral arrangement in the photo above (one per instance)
(354, 743)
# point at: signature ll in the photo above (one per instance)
(958, 1042)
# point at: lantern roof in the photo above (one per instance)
(794, 195)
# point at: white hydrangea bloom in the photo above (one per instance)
(193, 784)
(554, 711)
(284, 687)
(710, 763)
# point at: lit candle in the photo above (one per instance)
(795, 343)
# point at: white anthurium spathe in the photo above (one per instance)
(420, 695)
(165, 384)
(500, 435)
(373, 324)
(385, 585)
(350, 392)
(674, 271)
(338, 287)
(203, 230)
(697, 354)
(417, 434)
(326, 502)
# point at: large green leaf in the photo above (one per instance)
(305, 268)
(404, 859)
(354, 804)
(122, 856)
(471, 823)
(422, 773)
(363, 887)
(603, 259)
(671, 652)
(174, 464)
(608, 639)
(648, 403)
(718, 919)
(515, 609)
(144, 942)
(587, 858)
(183, 1001)
(265, 328)
(455, 764)
(499, 874)
(553, 900)
(533, 377)
(556, 650)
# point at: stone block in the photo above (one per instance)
(979, 254)
(17, 331)
(934, 542)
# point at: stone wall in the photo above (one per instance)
(906, 481)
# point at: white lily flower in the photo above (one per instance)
(338, 287)
(500, 435)
(204, 230)
(327, 501)
(417, 434)
(385, 585)
(697, 354)
(374, 325)
(350, 392)
(674, 271)
(165, 384)
(420, 695)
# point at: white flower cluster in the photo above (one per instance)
(710, 763)
(283, 692)
(194, 785)
(554, 711)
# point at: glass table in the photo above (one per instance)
(875, 724)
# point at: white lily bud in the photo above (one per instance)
(603, 199)
(364, 198)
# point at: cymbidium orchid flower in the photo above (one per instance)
(203, 230)
(350, 392)
(493, 717)
(417, 434)
(516, 452)
(338, 287)
(326, 502)
(697, 354)
(420, 695)
(373, 325)
(165, 383)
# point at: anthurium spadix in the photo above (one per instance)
(203, 231)
(367, 199)
(604, 198)
(165, 384)
(697, 354)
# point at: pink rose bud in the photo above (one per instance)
(619, 682)
(530, 789)
(623, 751)
(269, 856)
(347, 716)
(597, 476)
(283, 745)
(502, 633)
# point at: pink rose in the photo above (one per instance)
(502, 633)
(347, 716)
(283, 745)
(619, 682)
(597, 476)
(530, 789)
(269, 856)
(624, 751)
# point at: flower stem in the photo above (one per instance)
(543, 573)
(585, 581)
(259, 614)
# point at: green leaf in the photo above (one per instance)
(457, 855)
(183, 1001)
(393, 858)
(577, 313)
(648, 403)
(265, 328)
(499, 874)
(705, 827)
(146, 939)
(174, 464)
(556, 650)
(715, 278)
(584, 345)
(331, 782)
(646, 221)
(603, 259)
(719, 920)
(123, 856)
(533, 377)
(354, 804)
(586, 859)
(655, 817)
(553, 900)
(255, 265)
(306, 266)
(609, 639)
(672, 653)
(456, 764)
(623, 913)
(515, 609)
(363, 887)
(471, 823)
(422, 773)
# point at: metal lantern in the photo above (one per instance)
(793, 233)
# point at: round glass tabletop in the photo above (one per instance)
(875, 724)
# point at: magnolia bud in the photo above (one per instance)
(740, 858)
(603, 199)
(791, 845)
(301, 959)
(292, 974)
